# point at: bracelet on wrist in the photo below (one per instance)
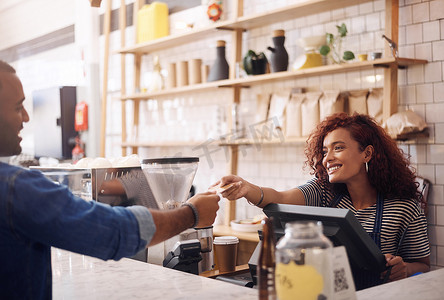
(260, 200)
(195, 213)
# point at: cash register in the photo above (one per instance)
(339, 225)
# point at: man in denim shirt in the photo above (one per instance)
(36, 213)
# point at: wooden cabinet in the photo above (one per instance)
(239, 24)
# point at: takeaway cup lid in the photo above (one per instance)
(225, 240)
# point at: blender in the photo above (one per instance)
(170, 180)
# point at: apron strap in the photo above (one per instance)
(336, 200)
(376, 233)
(378, 221)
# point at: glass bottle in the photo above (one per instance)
(303, 262)
(266, 263)
(156, 83)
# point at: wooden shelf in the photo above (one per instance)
(163, 144)
(413, 137)
(264, 141)
(221, 230)
(238, 142)
(173, 91)
(290, 12)
(246, 22)
(318, 71)
(271, 77)
(214, 273)
(173, 40)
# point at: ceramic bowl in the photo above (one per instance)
(311, 42)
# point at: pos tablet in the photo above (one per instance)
(339, 225)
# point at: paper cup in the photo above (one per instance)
(225, 248)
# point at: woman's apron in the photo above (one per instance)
(363, 278)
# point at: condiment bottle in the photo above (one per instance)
(219, 70)
(303, 262)
(279, 56)
(266, 263)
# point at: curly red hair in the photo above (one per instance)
(388, 170)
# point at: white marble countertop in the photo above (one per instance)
(429, 286)
(82, 277)
(78, 276)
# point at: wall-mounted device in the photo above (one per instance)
(53, 119)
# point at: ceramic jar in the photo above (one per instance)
(219, 70)
(279, 56)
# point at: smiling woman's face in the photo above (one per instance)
(12, 114)
(343, 158)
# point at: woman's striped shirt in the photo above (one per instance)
(398, 215)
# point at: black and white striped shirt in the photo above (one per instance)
(398, 215)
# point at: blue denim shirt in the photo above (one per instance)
(36, 213)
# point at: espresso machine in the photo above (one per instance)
(170, 180)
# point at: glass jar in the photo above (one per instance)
(303, 262)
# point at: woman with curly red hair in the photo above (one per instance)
(357, 166)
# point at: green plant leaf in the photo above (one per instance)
(324, 50)
(348, 55)
(262, 56)
(329, 38)
(248, 62)
(251, 53)
(342, 30)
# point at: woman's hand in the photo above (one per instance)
(234, 187)
(397, 267)
(238, 187)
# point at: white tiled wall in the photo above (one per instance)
(421, 35)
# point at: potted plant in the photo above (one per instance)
(255, 64)
(333, 48)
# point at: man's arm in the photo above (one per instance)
(171, 222)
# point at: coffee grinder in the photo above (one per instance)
(170, 180)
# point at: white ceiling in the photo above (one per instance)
(6, 4)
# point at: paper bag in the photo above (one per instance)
(278, 103)
(293, 125)
(374, 105)
(403, 123)
(262, 104)
(310, 112)
(357, 102)
(331, 102)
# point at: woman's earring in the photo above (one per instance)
(366, 167)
